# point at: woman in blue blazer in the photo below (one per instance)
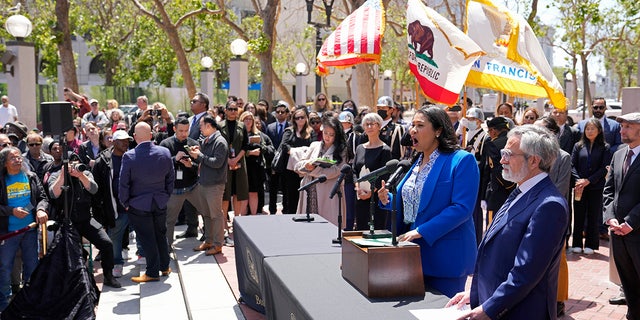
(435, 202)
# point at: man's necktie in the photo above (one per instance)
(279, 130)
(194, 123)
(504, 208)
(627, 162)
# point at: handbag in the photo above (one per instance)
(280, 159)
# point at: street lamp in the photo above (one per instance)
(301, 88)
(387, 83)
(238, 70)
(206, 77)
(20, 62)
(328, 7)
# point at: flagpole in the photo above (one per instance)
(464, 113)
(375, 68)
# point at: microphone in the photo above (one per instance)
(346, 169)
(391, 164)
(319, 179)
(403, 166)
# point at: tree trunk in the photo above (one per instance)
(270, 15)
(66, 50)
(174, 41)
(366, 86)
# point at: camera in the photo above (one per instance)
(156, 113)
(80, 167)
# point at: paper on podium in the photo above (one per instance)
(451, 313)
(379, 242)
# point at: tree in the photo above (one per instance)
(165, 22)
(63, 31)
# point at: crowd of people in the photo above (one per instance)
(489, 197)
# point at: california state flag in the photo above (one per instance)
(440, 55)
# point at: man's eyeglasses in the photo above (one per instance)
(194, 101)
(599, 107)
(281, 112)
(8, 144)
(506, 154)
(34, 144)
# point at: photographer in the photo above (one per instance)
(82, 187)
(159, 119)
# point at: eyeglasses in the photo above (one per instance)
(314, 121)
(506, 154)
(321, 99)
(599, 107)
(299, 118)
(281, 112)
(530, 117)
(8, 144)
(194, 101)
(34, 144)
(232, 109)
(370, 124)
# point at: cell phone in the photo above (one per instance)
(29, 207)
(187, 147)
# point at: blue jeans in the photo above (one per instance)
(28, 243)
(116, 233)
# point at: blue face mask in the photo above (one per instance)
(472, 125)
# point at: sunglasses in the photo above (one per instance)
(281, 112)
(315, 122)
(194, 101)
(530, 118)
(298, 118)
(321, 99)
(599, 107)
(34, 144)
(232, 109)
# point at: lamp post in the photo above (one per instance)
(301, 88)
(206, 77)
(387, 83)
(20, 65)
(328, 7)
(238, 70)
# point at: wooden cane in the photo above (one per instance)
(43, 229)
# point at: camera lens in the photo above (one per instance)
(80, 167)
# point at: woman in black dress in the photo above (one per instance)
(299, 134)
(259, 148)
(370, 156)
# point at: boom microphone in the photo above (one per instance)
(319, 179)
(403, 166)
(346, 169)
(391, 164)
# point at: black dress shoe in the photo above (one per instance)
(187, 234)
(111, 282)
(560, 309)
(618, 300)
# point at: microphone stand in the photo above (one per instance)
(306, 218)
(339, 239)
(394, 218)
(372, 210)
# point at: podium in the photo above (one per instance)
(382, 272)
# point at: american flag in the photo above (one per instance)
(357, 39)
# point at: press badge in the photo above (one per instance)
(179, 174)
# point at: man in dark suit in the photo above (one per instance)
(516, 272)
(610, 127)
(199, 107)
(621, 202)
(568, 136)
(146, 183)
(275, 131)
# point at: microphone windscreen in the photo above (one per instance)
(346, 169)
(322, 178)
(391, 164)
